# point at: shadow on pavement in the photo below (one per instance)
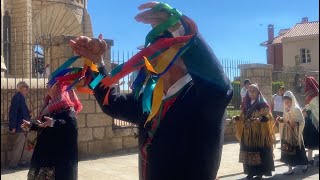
(10, 171)
(298, 175)
(237, 174)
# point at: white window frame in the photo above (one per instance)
(305, 56)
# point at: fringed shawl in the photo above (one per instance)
(293, 136)
(251, 132)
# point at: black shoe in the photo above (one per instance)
(249, 177)
(288, 173)
(305, 170)
(258, 178)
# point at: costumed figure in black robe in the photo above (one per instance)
(254, 130)
(184, 139)
(311, 130)
(55, 155)
(292, 145)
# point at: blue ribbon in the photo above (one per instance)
(116, 70)
(138, 82)
(61, 73)
(96, 81)
(64, 66)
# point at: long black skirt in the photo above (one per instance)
(257, 161)
(55, 155)
(293, 155)
(310, 135)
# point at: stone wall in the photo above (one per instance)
(96, 135)
(61, 51)
(260, 74)
(33, 21)
(288, 78)
(21, 34)
(34, 100)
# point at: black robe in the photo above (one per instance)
(56, 152)
(188, 142)
(310, 133)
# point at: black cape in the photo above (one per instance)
(188, 142)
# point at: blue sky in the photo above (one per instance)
(234, 29)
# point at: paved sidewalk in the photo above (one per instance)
(125, 167)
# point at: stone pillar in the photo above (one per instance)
(60, 51)
(87, 26)
(3, 65)
(260, 74)
(21, 33)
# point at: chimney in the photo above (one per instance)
(270, 33)
(304, 20)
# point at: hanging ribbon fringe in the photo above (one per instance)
(156, 100)
(131, 65)
(79, 77)
(163, 52)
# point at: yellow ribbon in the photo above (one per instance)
(92, 66)
(156, 99)
(164, 60)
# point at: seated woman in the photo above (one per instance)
(254, 129)
(56, 152)
(310, 135)
(292, 146)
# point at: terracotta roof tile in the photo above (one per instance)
(304, 29)
(276, 40)
(300, 29)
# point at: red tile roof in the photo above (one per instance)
(300, 29)
(276, 40)
(304, 29)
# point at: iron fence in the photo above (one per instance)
(230, 67)
(19, 62)
(28, 64)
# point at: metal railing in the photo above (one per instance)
(20, 63)
(230, 67)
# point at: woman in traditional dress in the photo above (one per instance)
(56, 152)
(292, 144)
(255, 132)
(311, 130)
(310, 135)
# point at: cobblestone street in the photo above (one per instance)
(125, 167)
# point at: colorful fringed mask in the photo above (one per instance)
(78, 76)
(164, 51)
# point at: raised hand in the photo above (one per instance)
(91, 48)
(153, 18)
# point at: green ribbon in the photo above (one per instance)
(64, 66)
(116, 70)
(147, 94)
(159, 29)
